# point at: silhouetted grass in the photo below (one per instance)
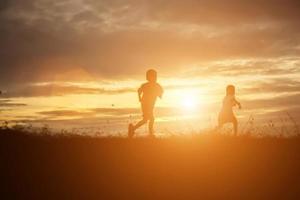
(43, 166)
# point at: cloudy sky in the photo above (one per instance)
(81, 61)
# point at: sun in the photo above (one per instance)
(186, 100)
(189, 101)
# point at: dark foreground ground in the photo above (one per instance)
(202, 167)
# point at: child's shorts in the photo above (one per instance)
(147, 110)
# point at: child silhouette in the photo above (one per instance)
(147, 93)
(226, 114)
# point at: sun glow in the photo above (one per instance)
(189, 100)
(189, 103)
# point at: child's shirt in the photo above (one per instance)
(228, 102)
(150, 92)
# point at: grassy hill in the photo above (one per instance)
(198, 167)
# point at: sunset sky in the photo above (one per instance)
(79, 63)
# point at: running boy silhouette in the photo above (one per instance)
(226, 115)
(147, 93)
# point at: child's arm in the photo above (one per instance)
(161, 91)
(238, 103)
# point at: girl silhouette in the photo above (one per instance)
(226, 114)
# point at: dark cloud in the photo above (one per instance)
(59, 90)
(4, 4)
(221, 12)
(249, 67)
(105, 113)
(40, 40)
(273, 86)
(275, 103)
(109, 113)
(56, 89)
(8, 103)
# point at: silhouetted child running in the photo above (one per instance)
(148, 93)
(226, 115)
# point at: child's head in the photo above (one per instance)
(151, 75)
(230, 90)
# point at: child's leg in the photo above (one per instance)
(151, 124)
(145, 117)
(235, 126)
(132, 128)
(140, 123)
